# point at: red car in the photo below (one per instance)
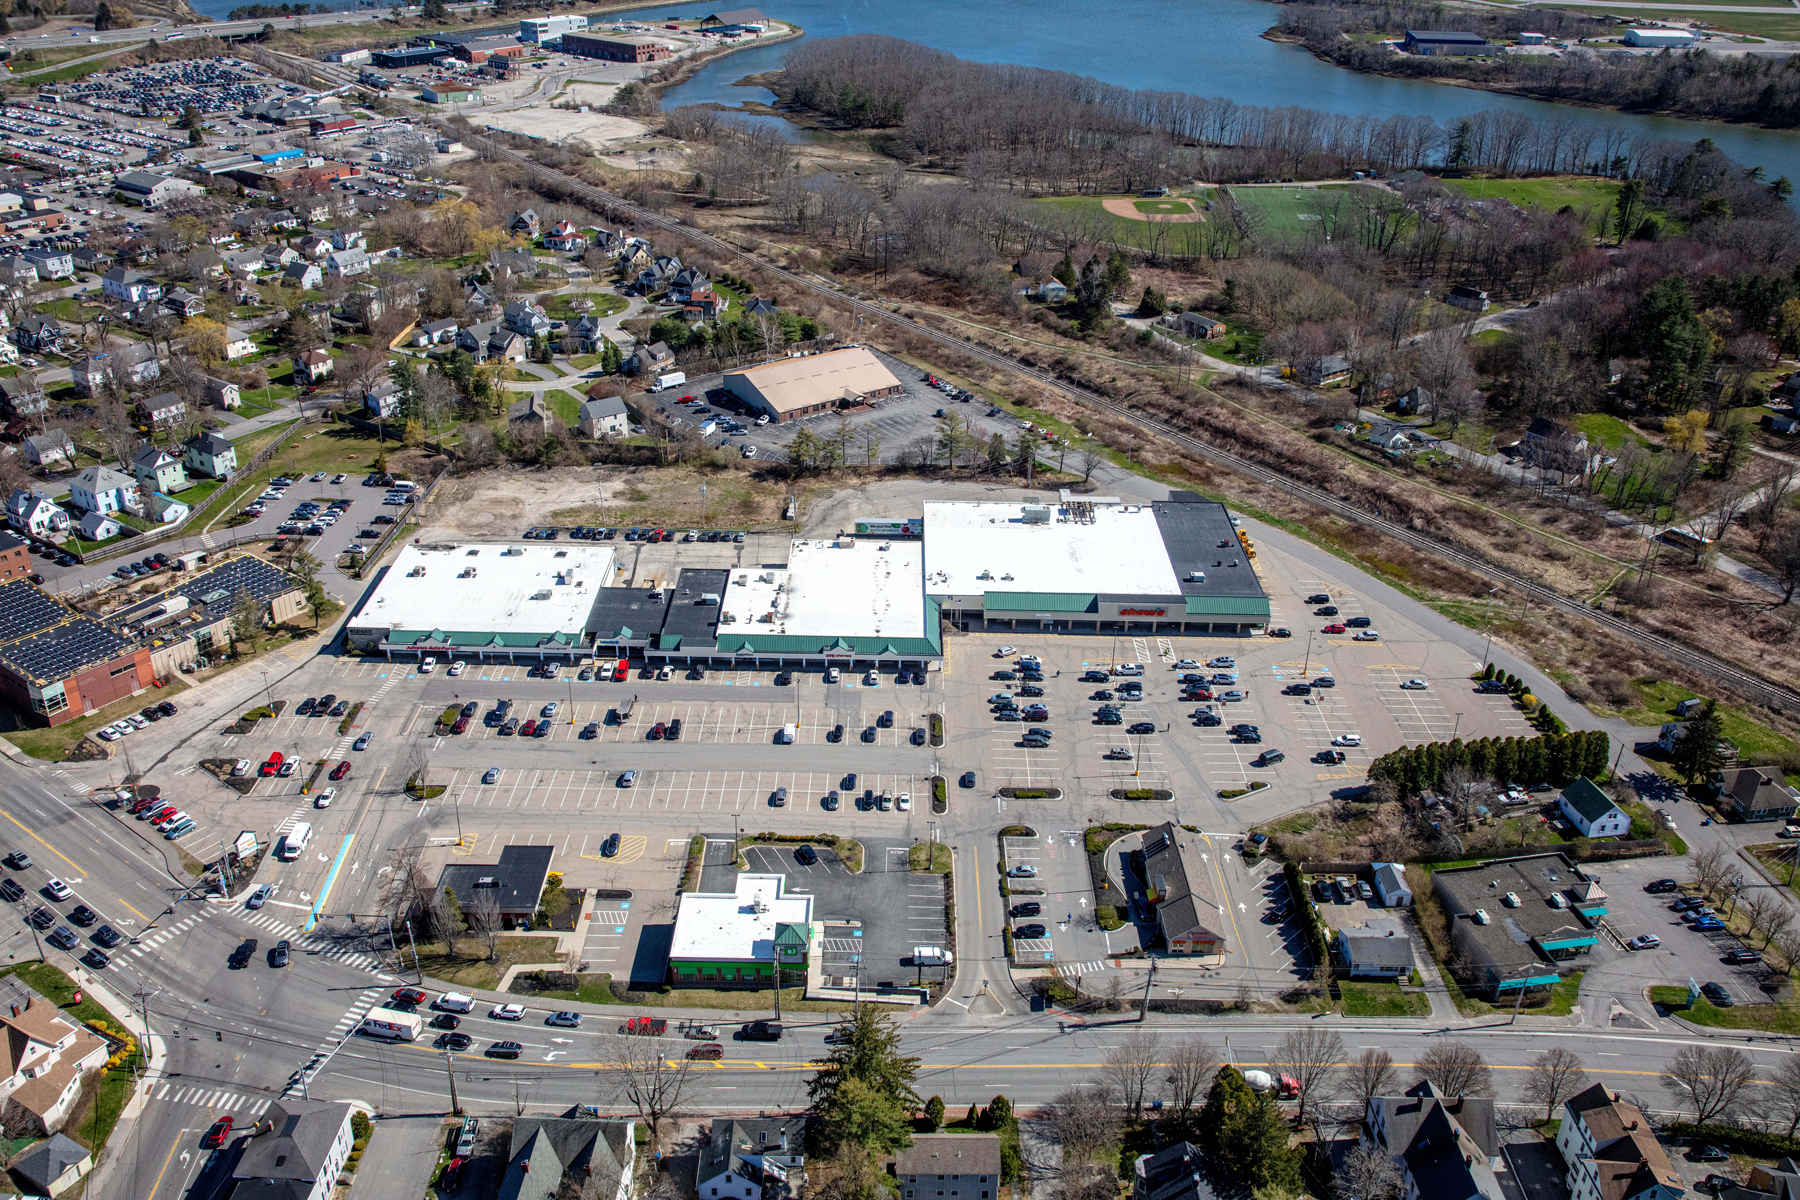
(1197, 694)
(620, 671)
(215, 1137)
(409, 996)
(461, 726)
(528, 728)
(1334, 629)
(659, 535)
(341, 770)
(657, 731)
(273, 765)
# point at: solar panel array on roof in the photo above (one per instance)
(25, 609)
(245, 573)
(64, 650)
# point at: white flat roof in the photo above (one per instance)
(1119, 550)
(842, 587)
(494, 587)
(728, 925)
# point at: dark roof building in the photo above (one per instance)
(58, 664)
(1516, 921)
(296, 1149)
(1747, 793)
(1173, 1173)
(54, 1165)
(736, 16)
(752, 1159)
(1611, 1152)
(1182, 890)
(549, 1153)
(1437, 41)
(513, 885)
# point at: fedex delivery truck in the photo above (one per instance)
(392, 1024)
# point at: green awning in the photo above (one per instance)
(1254, 607)
(1042, 602)
(668, 641)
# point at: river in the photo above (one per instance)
(1113, 40)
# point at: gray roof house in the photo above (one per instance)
(645, 359)
(971, 1162)
(54, 1165)
(47, 449)
(1757, 794)
(1376, 950)
(295, 1151)
(1173, 1173)
(743, 1157)
(604, 416)
(548, 1152)
(529, 417)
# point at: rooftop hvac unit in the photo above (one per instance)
(709, 598)
(1035, 514)
(513, 551)
(1196, 576)
(541, 595)
(844, 543)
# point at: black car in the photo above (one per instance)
(760, 1031)
(453, 1041)
(1030, 690)
(278, 957)
(1102, 694)
(64, 938)
(806, 856)
(849, 784)
(96, 958)
(1329, 610)
(41, 918)
(82, 915)
(1241, 727)
(1708, 1153)
(240, 958)
(1267, 758)
(1248, 738)
(1004, 675)
(470, 709)
(1028, 931)
(968, 779)
(10, 889)
(1318, 598)
(836, 734)
(343, 706)
(1032, 676)
(151, 713)
(1657, 887)
(1096, 677)
(306, 707)
(1207, 719)
(324, 704)
(168, 708)
(1108, 719)
(503, 1049)
(1141, 727)
(446, 1021)
(107, 936)
(1358, 623)
(1743, 956)
(610, 846)
(1030, 908)
(783, 679)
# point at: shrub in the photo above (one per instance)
(361, 1127)
(1528, 702)
(1108, 916)
(940, 791)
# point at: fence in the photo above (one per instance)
(412, 508)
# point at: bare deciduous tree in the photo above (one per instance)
(1371, 1075)
(1311, 1054)
(1130, 1066)
(1368, 1173)
(482, 912)
(1192, 1065)
(1456, 1069)
(641, 1072)
(1783, 1094)
(1083, 1121)
(1710, 867)
(1711, 1080)
(1556, 1075)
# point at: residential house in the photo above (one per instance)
(17, 274)
(529, 418)
(221, 393)
(1391, 885)
(656, 276)
(1553, 445)
(1611, 1152)
(36, 513)
(743, 1157)
(686, 282)
(1756, 794)
(1412, 401)
(1193, 325)
(94, 262)
(136, 359)
(524, 317)
(158, 471)
(524, 222)
(564, 236)
(184, 303)
(961, 1166)
(347, 264)
(295, 1151)
(705, 305)
(54, 1165)
(50, 262)
(1444, 1146)
(648, 360)
(1386, 435)
(47, 1056)
(210, 454)
(164, 411)
(349, 238)
(1470, 299)
(1175, 1172)
(97, 527)
(758, 306)
(312, 365)
(47, 449)
(313, 247)
(250, 222)
(491, 340)
(383, 400)
(15, 558)
(604, 416)
(586, 329)
(437, 333)
(554, 1156)
(1333, 368)
(22, 396)
(480, 298)
(521, 263)
(1374, 950)
(133, 287)
(632, 259)
(103, 490)
(238, 343)
(1591, 811)
(1180, 886)
(1781, 423)
(1051, 290)
(313, 208)
(278, 254)
(303, 274)
(38, 332)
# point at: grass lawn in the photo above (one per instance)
(1123, 228)
(1754, 740)
(1163, 208)
(582, 362)
(78, 71)
(1382, 1000)
(751, 1000)
(1588, 196)
(521, 375)
(69, 310)
(1608, 431)
(605, 305)
(1776, 1018)
(594, 989)
(929, 856)
(565, 406)
(93, 1117)
(1284, 209)
(468, 967)
(53, 743)
(1779, 24)
(262, 401)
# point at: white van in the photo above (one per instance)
(930, 956)
(787, 735)
(294, 842)
(403, 485)
(455, 1002)
(1129, 669)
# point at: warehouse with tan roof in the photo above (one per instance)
(790, 389)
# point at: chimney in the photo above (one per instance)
(27, 1003)
(1468, 1160)
(525, 1166)
(15, 1010)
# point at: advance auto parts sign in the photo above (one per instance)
(911, 527)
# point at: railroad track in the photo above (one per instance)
(1754, 686)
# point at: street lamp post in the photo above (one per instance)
(1487, 626)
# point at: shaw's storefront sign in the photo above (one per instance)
(1143, 612)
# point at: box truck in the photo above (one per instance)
(294, 841)
(392, 1024)
(672, 379)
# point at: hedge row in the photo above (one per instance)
(1557, 758)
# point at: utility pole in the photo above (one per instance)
(143, 999)
(1144, 1008)
(1487, 626)
(450, 1071)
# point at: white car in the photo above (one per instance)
(58, 889)
(903, 802)
(1006, 651)
(1414, 685)
(107, 735)
(1187, 664)
(831, 674)
(871, 680)
(456, 668)
(324, 798)
(427, 665)
(1223, 660)
(1023, 871)
(1347, 739)
(1366, 635)
(507, 1012)
(1645, 941)
(138, 722)
(121, 727)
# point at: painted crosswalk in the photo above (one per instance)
(305, 943)
(212, 1099)
(346, 1025)
(1075, 970)
(159, 935)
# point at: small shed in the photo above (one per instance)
(1390, 884)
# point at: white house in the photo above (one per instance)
(347, 264)
(103, 490)
(1610, 1151)
(47, 449)
(295, 1150)
(133, 287)
(237, 343)
(167, 509)
(304, 274)
(137, 359)
(312, 365)
(51, 263)
(35, 513)
(97, 527)
(604, 416)
(47, 1057)
(221, 393)
(1375, 950)
(741, 1156)
(1390, 884)
(1589, 810)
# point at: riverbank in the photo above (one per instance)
(689, 66)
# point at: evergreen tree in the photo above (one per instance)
(1228, 299)
(453, 908)
(863, 1089)
(103, 16)
(1118, 273)
(1248, 1134)
(999, 1113)
(934, 1114)
(1065, 271)
(1696, 754)
(1092, 292)
(996, 454)
(435, 10)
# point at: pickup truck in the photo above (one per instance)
(646, 1026)
(761, 1031)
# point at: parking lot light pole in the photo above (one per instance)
(1487, 626)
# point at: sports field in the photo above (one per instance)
(1289, 213)
(1163, 208)
(1591, 198)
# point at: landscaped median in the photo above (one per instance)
(1012, 793)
